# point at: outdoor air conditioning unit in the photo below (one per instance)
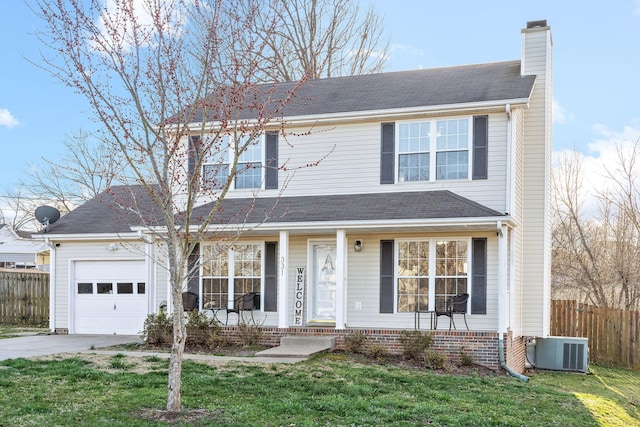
(562, 354)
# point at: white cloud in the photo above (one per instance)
(7, 119)
(402, 49)
(602, 159)
(559, 112)
(636, 9)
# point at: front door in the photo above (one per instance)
(323, 283)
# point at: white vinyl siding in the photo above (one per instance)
(345, 159)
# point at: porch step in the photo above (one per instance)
(293, 346)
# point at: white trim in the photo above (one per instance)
(386, 114)
(341, 279)
(283, 282)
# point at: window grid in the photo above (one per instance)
(449, 140)
(217, 164)
(247, 269)
(215, 276)
(450, 270)
(414, 143)
(413, 276)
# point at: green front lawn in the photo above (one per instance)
(330, 390)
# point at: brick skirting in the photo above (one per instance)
(481, 346)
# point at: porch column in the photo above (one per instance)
(341, 278)
(283, 280)
(503, 305)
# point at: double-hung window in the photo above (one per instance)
(429, 272)
(230, 271)
(433, 150)
(249, 163)
(413, 148)
(217, 164)
(452, 149)
(215, 169)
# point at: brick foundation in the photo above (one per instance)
(481, 346)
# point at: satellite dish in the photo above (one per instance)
(47, 215)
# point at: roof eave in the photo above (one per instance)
(393, 113)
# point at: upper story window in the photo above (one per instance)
(216, 166)
(434, 150)
(448, 140)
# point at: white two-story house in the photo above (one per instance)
(432, 183)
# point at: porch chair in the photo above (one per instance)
(246, 302)
(189, 301)
(456, 304)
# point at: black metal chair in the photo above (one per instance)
(246, 302)
(456, 304)
(190, 301)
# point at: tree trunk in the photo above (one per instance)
(179, 327)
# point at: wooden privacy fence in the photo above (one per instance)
(24, 297)
(614, 335)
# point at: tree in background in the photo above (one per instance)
(87, 167)
(149, 69)
(322, 38)
(595, 254)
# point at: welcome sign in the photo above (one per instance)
(298, 303)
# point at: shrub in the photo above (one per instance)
(377, 351)
(434, 359)
(466, 359)
(355, 342)
(202, 331)
(415, 343)
(158, 329)
(249, 333)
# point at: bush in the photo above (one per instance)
(203, 331)
(249, 333)
(377, 351)
(415, 343)
(466, 359)
(158, 329)
(434, 359)
(355, 342)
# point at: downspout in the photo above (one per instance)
(52, 281)
(502, 285)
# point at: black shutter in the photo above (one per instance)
(270, 276)
(479, 276)
(386, 276)
(480, 146)
(194, 153)
(271, 170)
(193, 281)
(387, 154)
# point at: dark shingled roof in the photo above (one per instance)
(104, 215)
(110, 212)
(405, 89)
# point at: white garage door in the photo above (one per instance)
(110, 297)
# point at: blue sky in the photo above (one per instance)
(596, 68)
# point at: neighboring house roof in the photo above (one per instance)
(16, 248)
(105, 214)
(404, 89)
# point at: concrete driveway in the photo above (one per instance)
(42, 345)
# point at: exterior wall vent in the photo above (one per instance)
(562, 354)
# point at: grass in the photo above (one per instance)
(328, 390)
(10, 331)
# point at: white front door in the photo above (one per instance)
(322, 300)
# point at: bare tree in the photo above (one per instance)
(150, 70)
(323, 38)
(595, 255)
(87, 167)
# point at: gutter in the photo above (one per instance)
(52, 281)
